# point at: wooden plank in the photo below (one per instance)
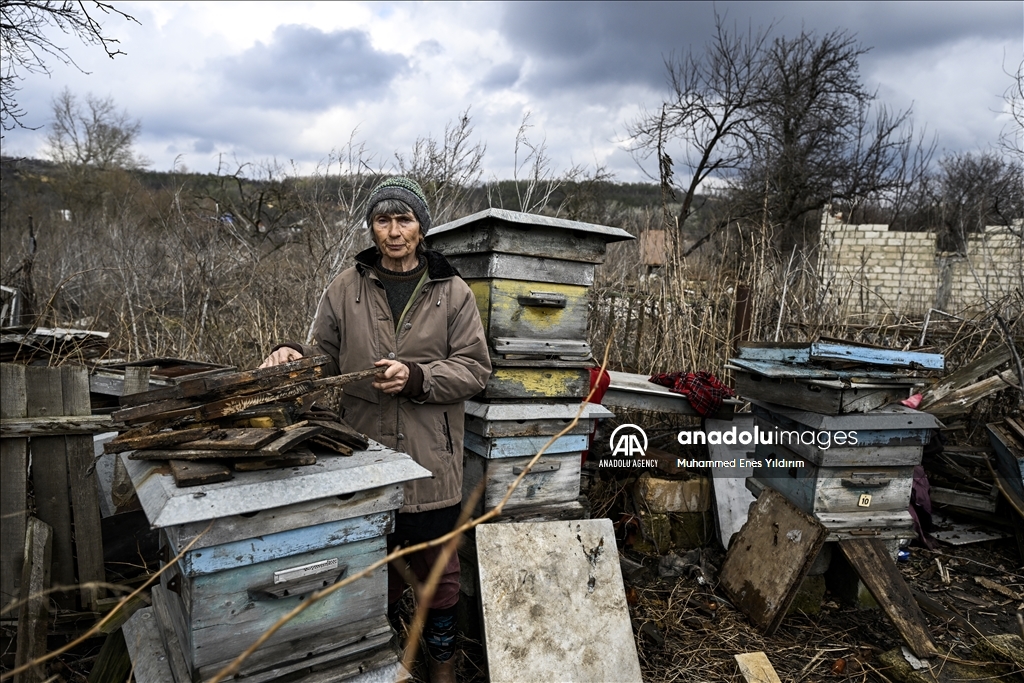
(289, 439)
(880, 574)
(330, 444)
(963, 499)
(231, 440)
(249, 380)
(122, 491)
(50, 476)
(55, 426)
(85, 499)
(339, 430)
(755, 668)
(554, 577)
(775, 529)
(957, 402)
(817, 396)
(113, 663)
(148, 412)
(260, 378)
(142, 638)
(893, 417)
(550, 512)
(347, 650)
(782, 371)
(122, 443)
(174, 588)
(136, 379)
(188, 473)
(1016, 428)
(299, 457)
(827, 350)
(13, 484)
(34, 612)
(212, 410)
(189, 454)
(965, 375)
(796, 352)
(162, 611)
(1009, 458)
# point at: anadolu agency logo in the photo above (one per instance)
(628, 441)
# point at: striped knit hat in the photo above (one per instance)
(406, 189)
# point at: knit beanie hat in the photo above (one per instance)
(406, 189)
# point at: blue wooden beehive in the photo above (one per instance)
(276, 536)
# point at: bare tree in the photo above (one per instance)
(448, 169)
(1012, 137)
(971, 191)
(777, 127)
(27, 44)
(96, 136)
(711, 112)
(817, 135)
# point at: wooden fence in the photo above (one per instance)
(46, 441)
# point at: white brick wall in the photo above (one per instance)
(873, 272)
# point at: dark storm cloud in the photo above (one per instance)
(501, 76)
(305, 68)
(575, 45)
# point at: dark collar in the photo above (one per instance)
(438, 267)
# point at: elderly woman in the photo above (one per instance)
(405, 309)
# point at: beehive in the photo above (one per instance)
(276, 536)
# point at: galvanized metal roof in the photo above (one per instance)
(333, 475)
(609, 233)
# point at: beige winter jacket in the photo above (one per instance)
(442, 333)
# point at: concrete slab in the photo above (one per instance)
(554, 607)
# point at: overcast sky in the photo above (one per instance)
(245, 82)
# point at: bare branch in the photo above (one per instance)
(25, 43)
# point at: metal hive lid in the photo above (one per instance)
(166, 505)
(608, 233)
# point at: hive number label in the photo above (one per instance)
(864, 500)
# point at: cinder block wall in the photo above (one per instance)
(871, 272)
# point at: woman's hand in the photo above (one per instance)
(392, 376)
(285, 354)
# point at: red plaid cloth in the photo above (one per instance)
(702, 389)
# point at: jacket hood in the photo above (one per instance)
(438, 267)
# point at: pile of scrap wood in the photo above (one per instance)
(829, 376)
(961, 477)
(1007, 438)
(251, 420)
(955, 394)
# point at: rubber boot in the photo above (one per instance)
(439, 640)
